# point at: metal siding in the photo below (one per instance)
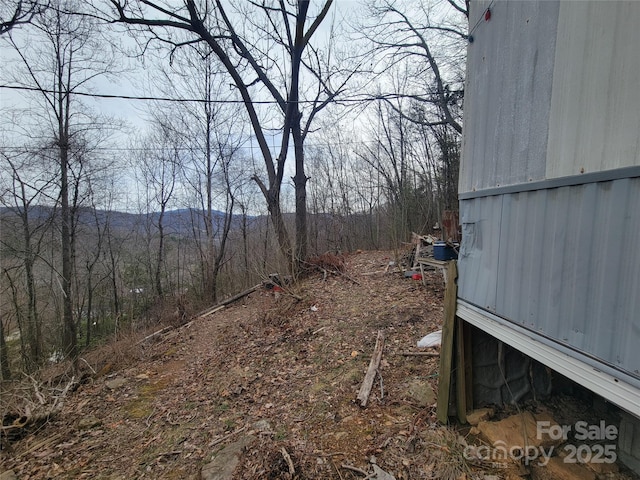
(480, 233)
(509, 81)
(595, 113)
(564, 262)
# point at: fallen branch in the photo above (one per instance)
(418, 354)
(155, 334)
(59, 399)
(212, 311)
(367, 383)
(41, 444)
(378, 272)
(226, 302)
(87, 364)
(169, 454)
(337, 272)
(287, 458)
(226, 437)
(354, 469)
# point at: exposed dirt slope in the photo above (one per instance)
(296, 363)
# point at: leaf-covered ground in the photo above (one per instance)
(291, 362)
(296, 363)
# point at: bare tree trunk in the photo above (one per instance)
(113, 274)
(160, 255)
(5, 370)
(300, 183)
(236, 54)
(69, 336)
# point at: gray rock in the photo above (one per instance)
(226, 460)
(380, 474)
(116, 383)
(421, 392)
(262, 426)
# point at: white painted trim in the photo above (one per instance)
(617, 391)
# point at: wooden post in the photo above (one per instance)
(446, 349)
(468, 365)
(461, 371)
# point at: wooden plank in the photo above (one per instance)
(461, 383)
(367, 383)
(446, 349)
(432, 262)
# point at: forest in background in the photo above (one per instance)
(272, 132)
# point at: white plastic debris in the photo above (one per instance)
(434, 339)
(314, 308)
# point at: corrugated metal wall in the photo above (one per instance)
(553, 91)
(509, 80)
(594, 122)
(562, 262)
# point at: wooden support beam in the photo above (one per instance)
(446, 349)
(468, 365)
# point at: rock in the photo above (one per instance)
(380, 474)
(480, 415)
(599, 467)
(88, 423)
(226, 460)
(262, 426)
(8, 475)
(557, 469)
(520, 430)
(339, 435)
(116, 383)
(421, 392)
(603, 468)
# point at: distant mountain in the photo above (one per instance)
(177, 222)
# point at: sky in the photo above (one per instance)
(135, 113)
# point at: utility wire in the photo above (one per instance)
(200, 100)
(26, 149)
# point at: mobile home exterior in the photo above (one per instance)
(550, 187)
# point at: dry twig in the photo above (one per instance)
(289, 461)
(355, 469)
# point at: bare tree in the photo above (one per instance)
(158, 164)
(431, 38)
(263, 48)
(19, 12)
(424, 43)
(65, 60)
(211, 132)
(25, 191)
